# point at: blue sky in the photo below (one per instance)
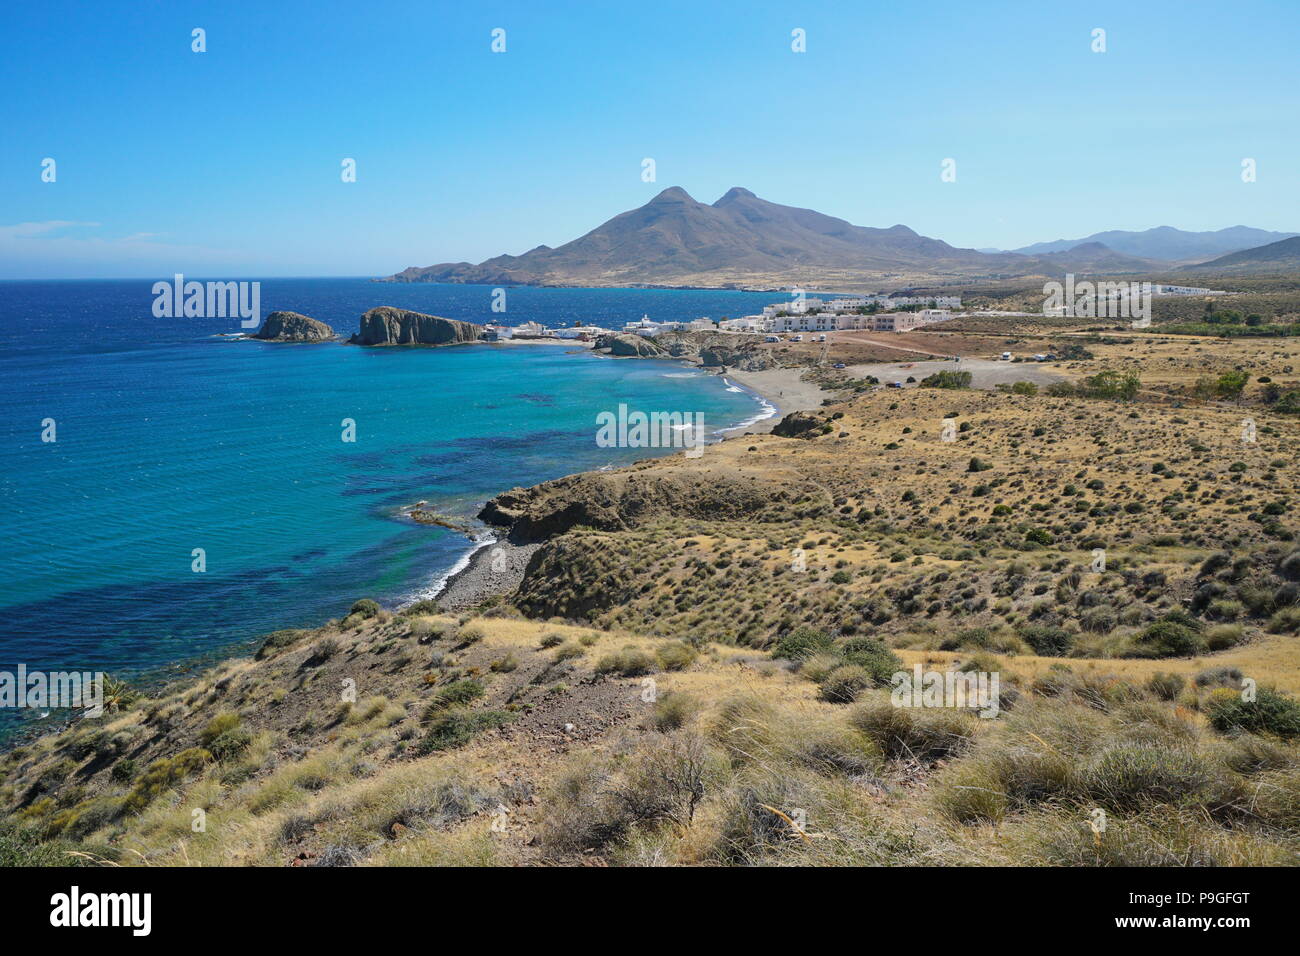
(227, 163)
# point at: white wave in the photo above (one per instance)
(440, 585)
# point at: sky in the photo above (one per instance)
(229, 162)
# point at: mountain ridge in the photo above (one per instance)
(743, 239)
(1166, 242)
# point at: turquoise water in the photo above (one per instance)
(171, 438)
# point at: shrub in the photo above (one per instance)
(455, 728)
(801, 643)
(277, 641)
(870, 654)
(844, 684)
(675, 655)
(1285, 621)
(421, 608)
(470, 634)
(365, 608)
(1223, 636)
(925, 736)
(1127, 777)
(123, 771)
(1270, 713)
(629, 662)
(1219, 677)
(458, 693)
(1165, 686)
(1174, 635)
(162, 775)
(218, 725)
(673, 711)
(1047, 640)
(230, 744)
(947, 380)
(568, 651)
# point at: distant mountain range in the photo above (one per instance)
(744, 241)
(1167, 243)
(1274, 258)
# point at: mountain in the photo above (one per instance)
(742, 240)
(1276, 257)
(1166, 242)
(1097, 259)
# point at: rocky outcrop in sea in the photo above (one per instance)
(293, 327)
(390, 326)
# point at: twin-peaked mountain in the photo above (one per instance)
(742, 240)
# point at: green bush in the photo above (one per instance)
(230, 744)
(365, 608)
(458, 693)
(1175, 635)
(947, 380)
(1270, 713)
(1047, 640)
(455, 728)
(277, 641)
(801, 643)
(218, 725)
(164, 774)
(1285, 621)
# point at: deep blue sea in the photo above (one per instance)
(170, 437)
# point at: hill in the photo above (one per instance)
(694, 667)
(1274, 258)
(1166, 242)
(742, 240)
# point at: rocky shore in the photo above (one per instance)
(497, 568)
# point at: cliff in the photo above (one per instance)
(293, 327)
(630, 346)
(391, 326)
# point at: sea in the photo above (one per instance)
(198, 490)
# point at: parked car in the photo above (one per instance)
(895, 384)
(839, 365)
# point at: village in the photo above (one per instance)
(790, 320)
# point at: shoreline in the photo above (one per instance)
(493, 565)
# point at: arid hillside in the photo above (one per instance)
(697, 665)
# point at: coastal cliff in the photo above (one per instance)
(618, 500)
(630, 346)
(387, 325)
(293, 327)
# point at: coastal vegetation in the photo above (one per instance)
(698, 664)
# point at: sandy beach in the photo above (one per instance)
(780, 387)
